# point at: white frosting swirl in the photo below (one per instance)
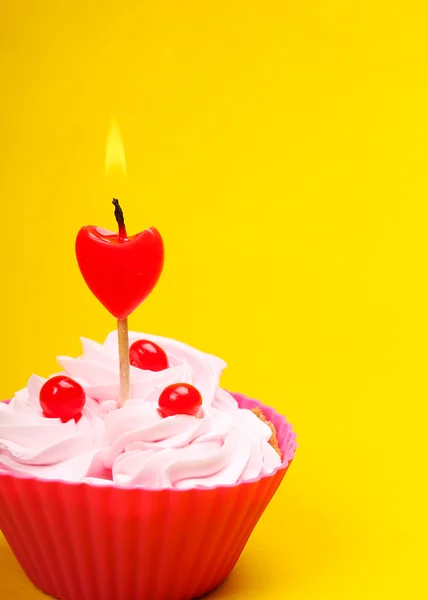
(134, 445)
(33, 444)
(225, 446)
(98, 369)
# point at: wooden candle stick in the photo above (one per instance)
(123, 339)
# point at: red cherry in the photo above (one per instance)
(120, 271)
(180, 399)
(62, 398)
(148, 356)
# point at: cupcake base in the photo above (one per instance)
(274, 437)
(85, 542)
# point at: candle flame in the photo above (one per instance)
(115, 153)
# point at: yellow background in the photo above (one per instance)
(281, 149)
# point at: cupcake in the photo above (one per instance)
(131, 474)
(155, 499)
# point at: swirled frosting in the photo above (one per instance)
(134, 445)
(34, 445)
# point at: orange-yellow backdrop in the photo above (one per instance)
(280, 148)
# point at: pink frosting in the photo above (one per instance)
(134, 445)
(34, 445)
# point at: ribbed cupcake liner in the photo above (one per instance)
(77, 541)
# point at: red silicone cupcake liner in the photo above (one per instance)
(78, 541)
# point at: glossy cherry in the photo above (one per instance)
(63, 398)
(180, 399)
(120, 270)
(148, 356)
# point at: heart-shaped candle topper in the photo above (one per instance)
(120, 271)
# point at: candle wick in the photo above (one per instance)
(118, 213)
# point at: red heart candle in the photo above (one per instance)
(120, 271)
